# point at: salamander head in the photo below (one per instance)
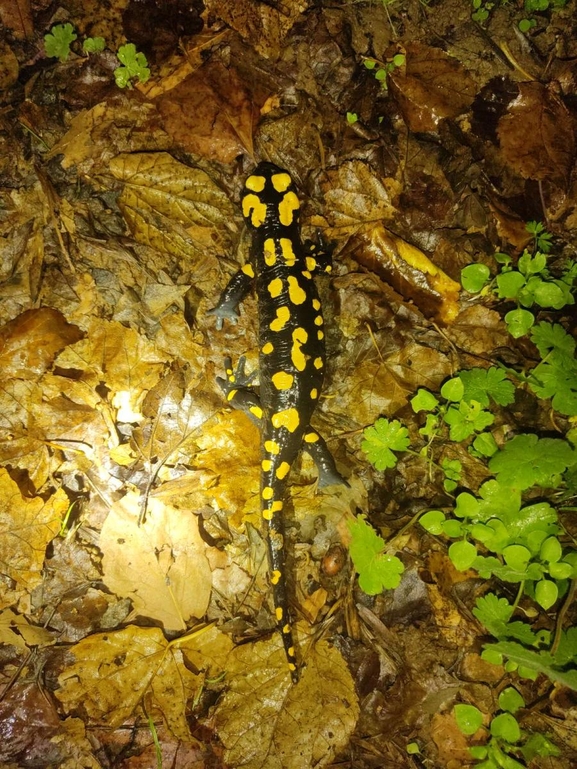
(269, 199)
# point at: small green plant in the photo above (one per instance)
(383, 68)
(377, 569)
(481, 10)
(555, 376)
(58, 41)
(529, 283)
(382, 439)
(134, 66)
(528, 653)
(94, 45)
(507, 741)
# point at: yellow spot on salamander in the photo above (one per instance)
(282, 317)
(320, 334)
(288, 418)
(291, 651)
(248, 270)
(311, 263)
(267, 493)
(278, 613)
(319, 320)
(316, 304)
(329, 268)
(267, 348)
(282, 470)
(267, 514)
(311, 437)
(286, 629)
(288, 253)
(314, 393)
(276, 506)
(275, 287)
(255, 183)
(269, 247)
(282, 381)
(292, 666)
(281, 182)
(266, 465)
(231, 395)
(288, 205)
(256, 411)
(254, 209)
(271, 447)
(300, 337)
(297, 295)
(275, 576)
(318, 363)
(307, 274)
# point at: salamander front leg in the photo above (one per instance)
(238, 287)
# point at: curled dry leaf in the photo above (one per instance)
(113, 672)
(29, 343)
(431, 86)
(265, 723)
(161, 565)
(409, 271)
(173, 207)
(27, 526)
(537, 135)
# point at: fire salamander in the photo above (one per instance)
(291, 357)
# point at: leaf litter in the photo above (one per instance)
(120, 224)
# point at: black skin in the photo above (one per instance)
(291, 358)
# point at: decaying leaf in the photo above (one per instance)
(537, 134)
(431, 86)
(113, 672)
(161, 565)
(27, 526)
(264, 26)
(266, 723)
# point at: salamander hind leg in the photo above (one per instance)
(237, 390)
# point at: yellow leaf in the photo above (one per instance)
(161, 566)
(266, 723)
(113, 672)
(27, 526)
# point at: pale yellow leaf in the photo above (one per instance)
(161, 565)
(17, 631)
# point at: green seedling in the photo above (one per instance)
(58, 41)
(381, 69)
(507, 745)
(529, 283)
(134, 66)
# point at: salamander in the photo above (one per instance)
(291, 357)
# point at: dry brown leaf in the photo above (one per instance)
(113, 672)
(355, 197)
(265, 722)
(27, 526)
(161, 565)
(537, 135)
(432, 85)
(211, 114)
(173, 207)
(409, 271)
(125, 124)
